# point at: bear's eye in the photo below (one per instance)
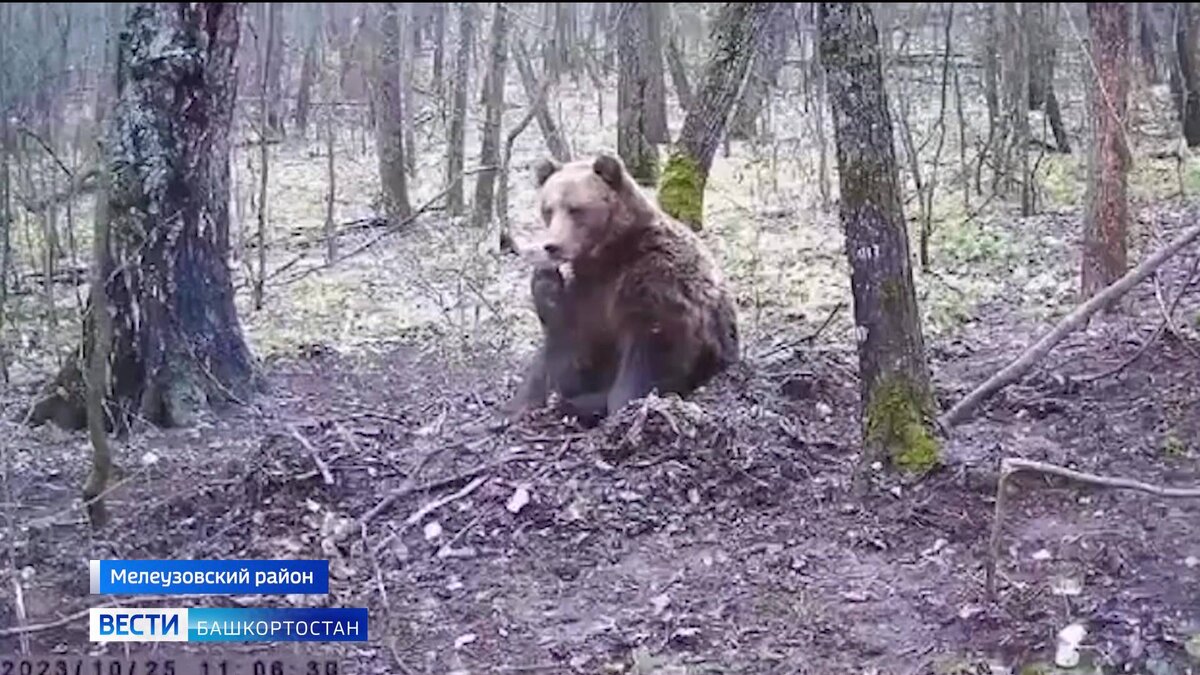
(575, 211)
(545, 213)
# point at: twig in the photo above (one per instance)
(402, 492)
(1167, 313)
(321, 465)
(419, 514)
(1013, 371)
(22, 614)
(1013, 465)
(58, 623)
(807, 338)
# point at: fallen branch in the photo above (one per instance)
(1012, 465)
(419, 514)
(811, 337)
(402, 492)
(321, 465)
(1013, 371)
(1166, 323)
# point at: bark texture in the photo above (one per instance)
(458, 115)
(635, 142)
(897, 403)
(764, 74)
(176, 341)
(308, 73)
(1107, 216)
(389, 114)
(679, 74)
(656, 86)
(1184, 77)
(489, 153)
(736, 33)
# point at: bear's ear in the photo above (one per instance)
(611, 169)
(544, 169)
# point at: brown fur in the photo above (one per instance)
(646, 308)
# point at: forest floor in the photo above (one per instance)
(715, 535)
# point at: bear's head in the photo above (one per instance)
(583, 205)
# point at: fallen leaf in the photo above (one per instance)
(660, 602)
(433, 530)
(1067, 586)
(518, 500)
(1042, 554)
(1069, 639)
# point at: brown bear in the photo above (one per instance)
(645, 309)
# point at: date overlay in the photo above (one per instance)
(184, 664)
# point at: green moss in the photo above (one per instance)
(896, 424)
(681, 193)
(1172, 446)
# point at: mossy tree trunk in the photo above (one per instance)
(176, 342)
(458, 115)
(489, 152)
(736, 33)
(634, 139)
(1106, 219)
(897, 403)
(389, 112)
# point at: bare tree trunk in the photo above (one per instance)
(537, 100)
(489, 153)
(991, 92)
(679, 76)
(308, 69)
(556, 141)
(177, 343)
(5, 188)
(1041, 20)
(264, 123)
(634, 142)
(764, 74)
(1106, 220)
(98, 384)
(656, 88)
(1187, 47)
(331, 195)
(389, 115)
(1016, 92)
(439, 47)
(1147, 40)
(410, 53)
(735, 36)
(458, 117)
(897, 402)
(274, 68)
